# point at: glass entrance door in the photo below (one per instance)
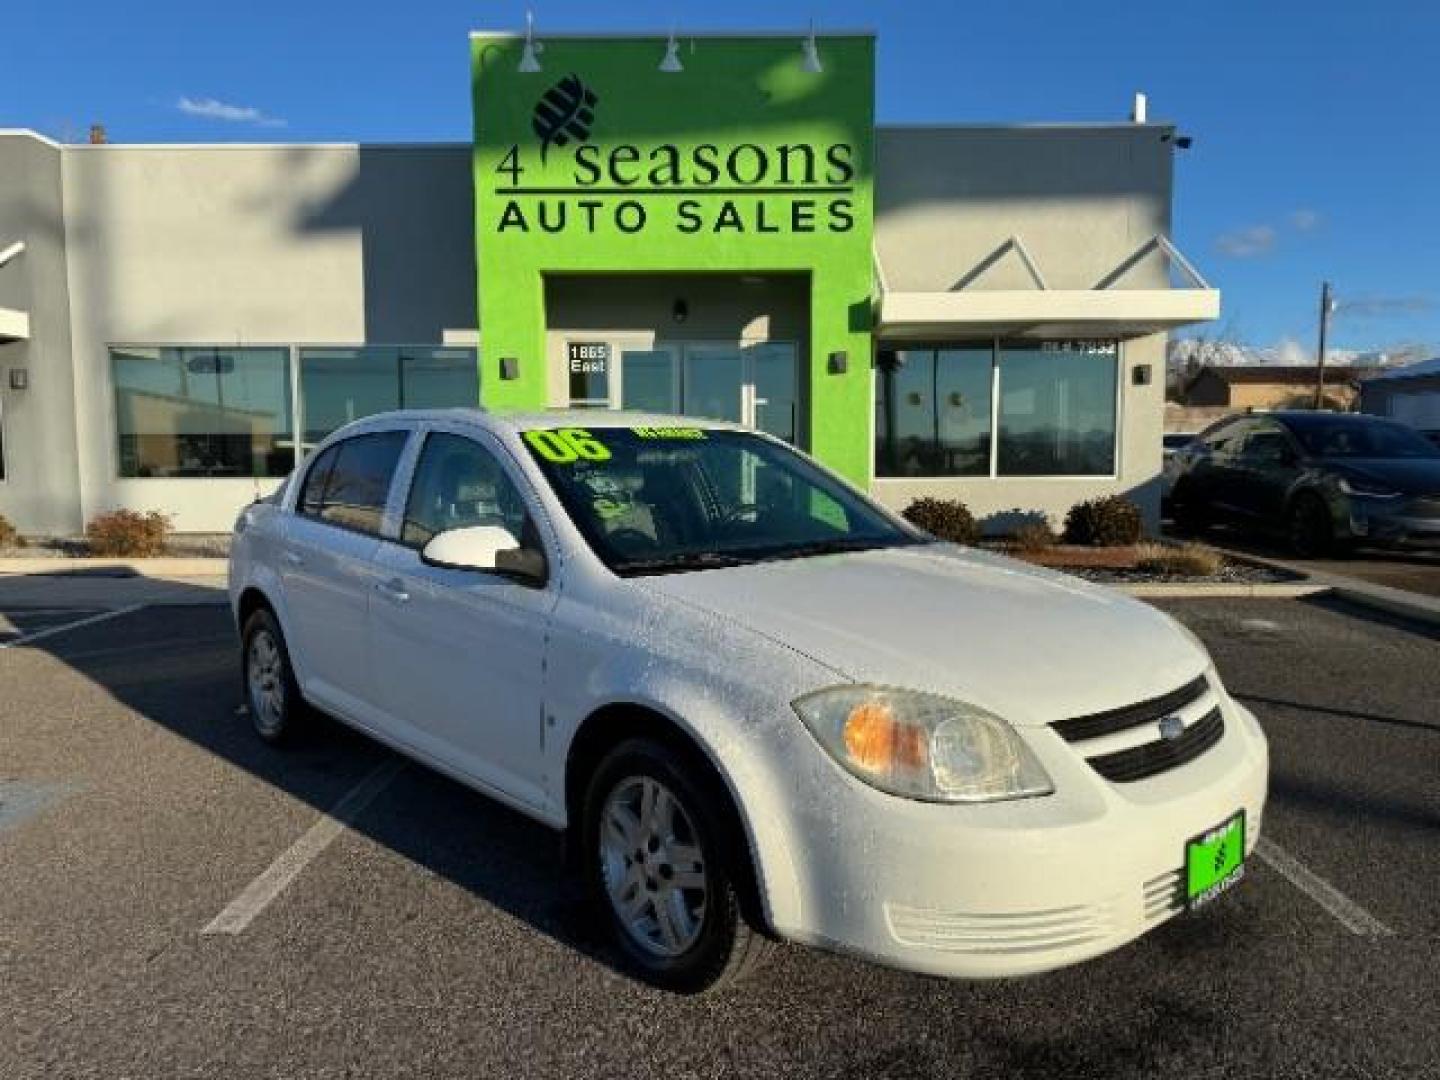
(757, 385)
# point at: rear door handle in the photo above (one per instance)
(395, 590)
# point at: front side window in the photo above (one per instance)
(659, 500)
(1057, 409)
(351, 490)
(459, 485)
(341, 385)
(1361, 437)
(203, 412)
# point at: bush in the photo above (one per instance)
(128, 532)
(1034, 536)
(1188, 560)
(9, 537)
(945, 519)
(1111, 521)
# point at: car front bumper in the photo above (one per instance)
(1015, 888)
(1412, 523)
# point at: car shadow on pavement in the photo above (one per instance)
(179, 668)
(1344, 714)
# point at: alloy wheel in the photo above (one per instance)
(265, 673)
(653, 866)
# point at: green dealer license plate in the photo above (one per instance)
(1214, 861)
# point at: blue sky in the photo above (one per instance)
(1316, 124)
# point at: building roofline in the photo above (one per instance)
(1025, 125)
(661, 35)
(295, 145)
(32, 134)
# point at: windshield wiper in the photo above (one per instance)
(679, 563)
(825, 547)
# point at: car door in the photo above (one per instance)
(1208, 468)
(460, 654)
(327, 567)
(1267, 467)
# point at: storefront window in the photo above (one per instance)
(1057, 409)
(933, 412)
(203, 411)
(341, 385)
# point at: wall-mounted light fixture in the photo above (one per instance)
(530, 57)
(811, 54)
(1140, 374)
(19, 378)
(838, 362)
(671, 62)
(509, 368)
(680, 310)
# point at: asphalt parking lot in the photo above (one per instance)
(437, 934)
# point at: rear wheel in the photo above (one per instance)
(1308, 527)
(272, 695)
(661, 869)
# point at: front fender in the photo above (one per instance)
(725, 688)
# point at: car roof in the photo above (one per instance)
(517, 420)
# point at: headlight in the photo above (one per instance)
(923, 746)
(1370, 488)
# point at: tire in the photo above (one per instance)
(272, 696)
(1308, 528)
(651, 820)
(1189, 515)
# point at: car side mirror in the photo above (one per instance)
(486, 548)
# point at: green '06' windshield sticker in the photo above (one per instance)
(565, 446)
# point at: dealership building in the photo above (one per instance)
(710, 225)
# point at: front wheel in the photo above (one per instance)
(661, 869)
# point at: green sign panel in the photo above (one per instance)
(743, 161)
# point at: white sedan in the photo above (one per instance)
(761, 705)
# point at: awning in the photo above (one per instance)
(1042, 312)
(1117, 313)
(14, 325)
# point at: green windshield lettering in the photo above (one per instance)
(564, 446)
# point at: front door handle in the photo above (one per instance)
(293, 559)
(395, 590)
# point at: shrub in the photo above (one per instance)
(128, 532)
(9, 537)
(945, 519)
(1110, 521)
(1188, 560)
(1034, 536)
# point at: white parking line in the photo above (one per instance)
(258, 895)
(51, 631)
(1350, 914)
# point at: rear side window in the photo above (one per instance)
(1225, 439)
(356, 483)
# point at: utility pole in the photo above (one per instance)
(1327, 307)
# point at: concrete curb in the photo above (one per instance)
(1229, 590)
(164, 567)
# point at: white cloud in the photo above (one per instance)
(1304, 219)
(211, 109)
(1247, 243)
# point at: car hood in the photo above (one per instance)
(1410, 476)
(1031, 645)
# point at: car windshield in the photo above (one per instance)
(1357, 437)
(654, 500)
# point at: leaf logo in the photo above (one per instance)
(564, 112)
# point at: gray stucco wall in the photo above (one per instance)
(1083, 200)
(40, 492)
(253, 245)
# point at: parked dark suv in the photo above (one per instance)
(1328, 481)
